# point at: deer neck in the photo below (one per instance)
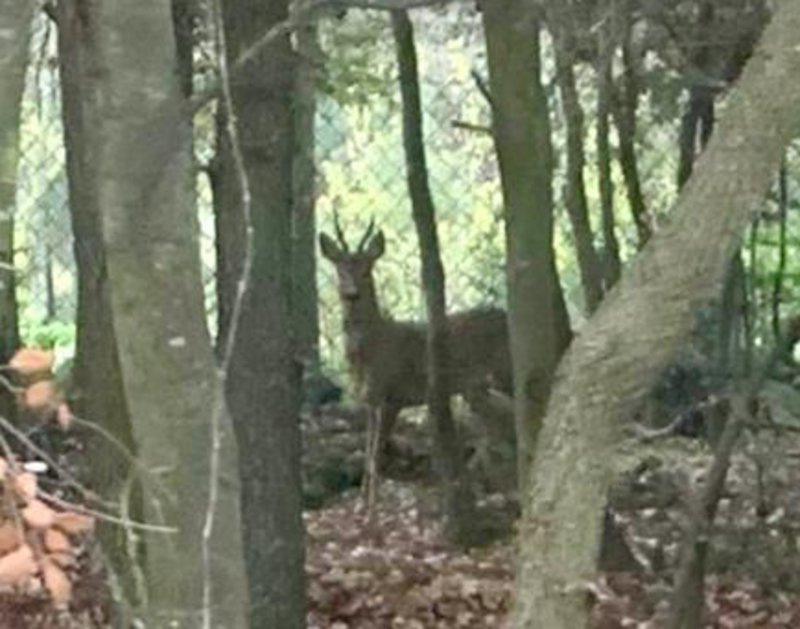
(363, 325)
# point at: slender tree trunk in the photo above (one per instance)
(17, 18)
(777, 285)
(628, 342)
(263, 388)
(612, 266)
(589, 264)
(624, 104)
(127, 111)
(538, 321)
(458, 499)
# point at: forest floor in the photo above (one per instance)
(397, 573)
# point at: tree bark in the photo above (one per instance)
(459, 507)
(538, 321)
(628, 342)
(126, 109)
(263, 388)
(17, 18)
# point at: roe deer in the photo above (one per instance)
(389, 359)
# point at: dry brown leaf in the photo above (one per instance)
(64, 416)
(55, 541)
(42, 395)
(10, 537)
(38, 515)
(29, 361)
(74, 523)
(65, 560)
(25, 486)
(56, 582)
(18, 566)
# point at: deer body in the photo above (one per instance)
(389, 357)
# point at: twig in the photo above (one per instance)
(483, 87)
(69, 478)
(471, 126)
(145, 473)
(687, 597)
(105, 517)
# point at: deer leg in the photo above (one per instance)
(372, 462)
(388, 421)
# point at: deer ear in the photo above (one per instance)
(329, 248)
(376, 247)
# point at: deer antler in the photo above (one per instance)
(339, 234)
(367, 234)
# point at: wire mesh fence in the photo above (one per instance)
(360, 166)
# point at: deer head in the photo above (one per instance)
(354, 268)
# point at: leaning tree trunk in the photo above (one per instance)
(538, 321)
(131, 164)
(459, 504)
(263, 389)
(16, 18)
(628, 342)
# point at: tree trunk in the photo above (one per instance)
(628, 342)
(305, 302)
(591, 270)
(537, 314)
(97, 391)
(127, 110)
(263, 386)
(459, 507)
(17, 18)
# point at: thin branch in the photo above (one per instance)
(483, 87)
(241, 288)
(471, 126)
(105, 517)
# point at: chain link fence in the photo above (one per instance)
(361, 174)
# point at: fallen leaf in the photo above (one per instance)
(39, 515)
(64, 416)
(56, 582)
(74, 523)
(10, 537)
(17, 566)
(65, 559)
(25, 486)
(42, 395)
(55, 541)
(29, 361)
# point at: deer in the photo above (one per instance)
(388, 358)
